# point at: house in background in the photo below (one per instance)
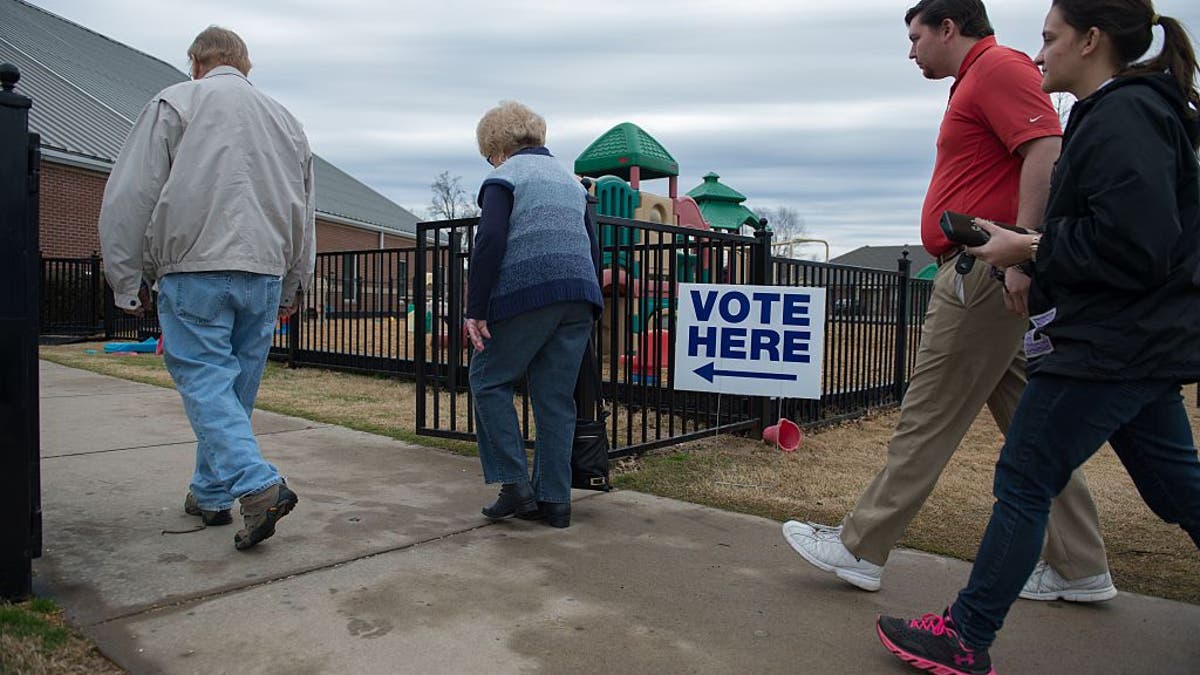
(88, 90)
(888, 258)
(878, 295)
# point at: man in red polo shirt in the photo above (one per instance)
(998, 142)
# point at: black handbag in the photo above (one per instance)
(589, 455)
(589, 450)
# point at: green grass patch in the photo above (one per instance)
(31, 622)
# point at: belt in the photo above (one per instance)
(948, 255)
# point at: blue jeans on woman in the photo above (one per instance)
(1060, 423)
(547, 344)
(217, 329)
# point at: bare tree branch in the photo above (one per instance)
(450, 200)
(1063, 102)
(785, 222)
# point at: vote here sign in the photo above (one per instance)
(755, 340)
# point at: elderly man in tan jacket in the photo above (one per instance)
(212, 198)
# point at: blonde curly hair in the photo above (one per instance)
(509, 127)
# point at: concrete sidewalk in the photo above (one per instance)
(386, 566)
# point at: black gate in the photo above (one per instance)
(874, 322)
(73, 293)
(20, 480)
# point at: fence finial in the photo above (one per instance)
(9, 76)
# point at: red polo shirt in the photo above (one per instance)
(996, 105)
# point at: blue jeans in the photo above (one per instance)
(1060, 423)
(547, 344)
(217, 329)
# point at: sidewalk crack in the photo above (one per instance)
(209, 595)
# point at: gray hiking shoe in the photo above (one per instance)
(261, 511)
(211, 518)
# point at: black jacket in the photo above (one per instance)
(1118, 267)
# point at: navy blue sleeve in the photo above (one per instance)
(491, 241)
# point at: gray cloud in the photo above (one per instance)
(807, 104)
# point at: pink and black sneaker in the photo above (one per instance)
(931, 643)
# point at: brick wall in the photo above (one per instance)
(70, 210)
(69, 206)
(398, 242)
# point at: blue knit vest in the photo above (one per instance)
(548, 257)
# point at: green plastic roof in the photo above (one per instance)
(722, 215)
(714, 191)
(624, 146)
(721, 205)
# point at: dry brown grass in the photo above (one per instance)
(379, 405)
(820, 482)
(823, 479)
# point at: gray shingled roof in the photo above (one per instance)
(885, 257)
(88, 90)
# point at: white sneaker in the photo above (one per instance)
(1046, 584)
(822, 546)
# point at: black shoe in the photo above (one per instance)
(555, 515)
(932, 643)
(516, 499)
(210, 518)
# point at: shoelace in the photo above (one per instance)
(826, 532)
(1039, 573)
(933, 623)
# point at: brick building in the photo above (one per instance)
(87, 91)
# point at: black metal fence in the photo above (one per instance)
(385, 311)
(356, 315)
(873, 326)
(72, 296)
(77, 303)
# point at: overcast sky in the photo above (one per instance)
(811, 105)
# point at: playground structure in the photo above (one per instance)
(641, 268)
(638, 313)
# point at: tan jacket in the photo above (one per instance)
(215, 176)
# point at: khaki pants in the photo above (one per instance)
(970, 354)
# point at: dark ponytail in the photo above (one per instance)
(1129, 24)
(1178, 57)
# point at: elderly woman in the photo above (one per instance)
(532, 296)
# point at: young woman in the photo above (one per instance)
(1115, 310)
(532, 296)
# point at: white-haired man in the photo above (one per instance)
(212, 198)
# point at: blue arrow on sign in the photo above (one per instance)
(710, 371)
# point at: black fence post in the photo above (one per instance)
(418, 317)
(587, 384)
(95, 303)
(20, 490)
(762, 274)
(902, 315)
(454, 312)
(293, 331)
(108, 310)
